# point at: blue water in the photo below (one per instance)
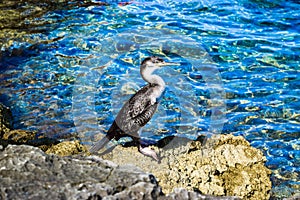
(238, 73)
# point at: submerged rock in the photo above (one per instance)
(18, 136)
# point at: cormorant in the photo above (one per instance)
(139, 109)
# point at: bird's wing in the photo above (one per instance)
(143, 118)
(136, 112)
(139, 102)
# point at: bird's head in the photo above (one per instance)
(153, 62)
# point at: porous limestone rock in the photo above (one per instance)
(225, 166)
(67, 148)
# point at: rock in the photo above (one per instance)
(67, 148)
(19, 136)
(26, 172)
(181, 193)
(284, 192)
(294, 197)
(225, 166)
(5, 119)
(10, 136)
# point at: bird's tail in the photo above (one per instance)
(99, 145)
(111, 135)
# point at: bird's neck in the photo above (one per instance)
(155, 80)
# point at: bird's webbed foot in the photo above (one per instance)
(147, 151)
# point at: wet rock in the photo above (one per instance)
(5, 119)
(28, 173)
(19, 136)
(10, 136)
(225, 166)
(283, 192)
(294, 197)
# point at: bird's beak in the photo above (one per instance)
(167, 64)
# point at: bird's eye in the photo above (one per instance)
(159, 60)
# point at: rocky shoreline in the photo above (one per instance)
(226, 167)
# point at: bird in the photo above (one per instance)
(139, 109)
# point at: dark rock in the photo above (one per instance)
(19, 137)
(10, 136)
(5, 119)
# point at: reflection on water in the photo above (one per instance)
(67, 68)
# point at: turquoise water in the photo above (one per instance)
(238, 73)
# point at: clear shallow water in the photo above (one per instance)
(238, 73)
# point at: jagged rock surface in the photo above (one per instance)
(28, 173)
(225, 166)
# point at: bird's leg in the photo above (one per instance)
(147, 151)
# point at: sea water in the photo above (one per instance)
(75, 66)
